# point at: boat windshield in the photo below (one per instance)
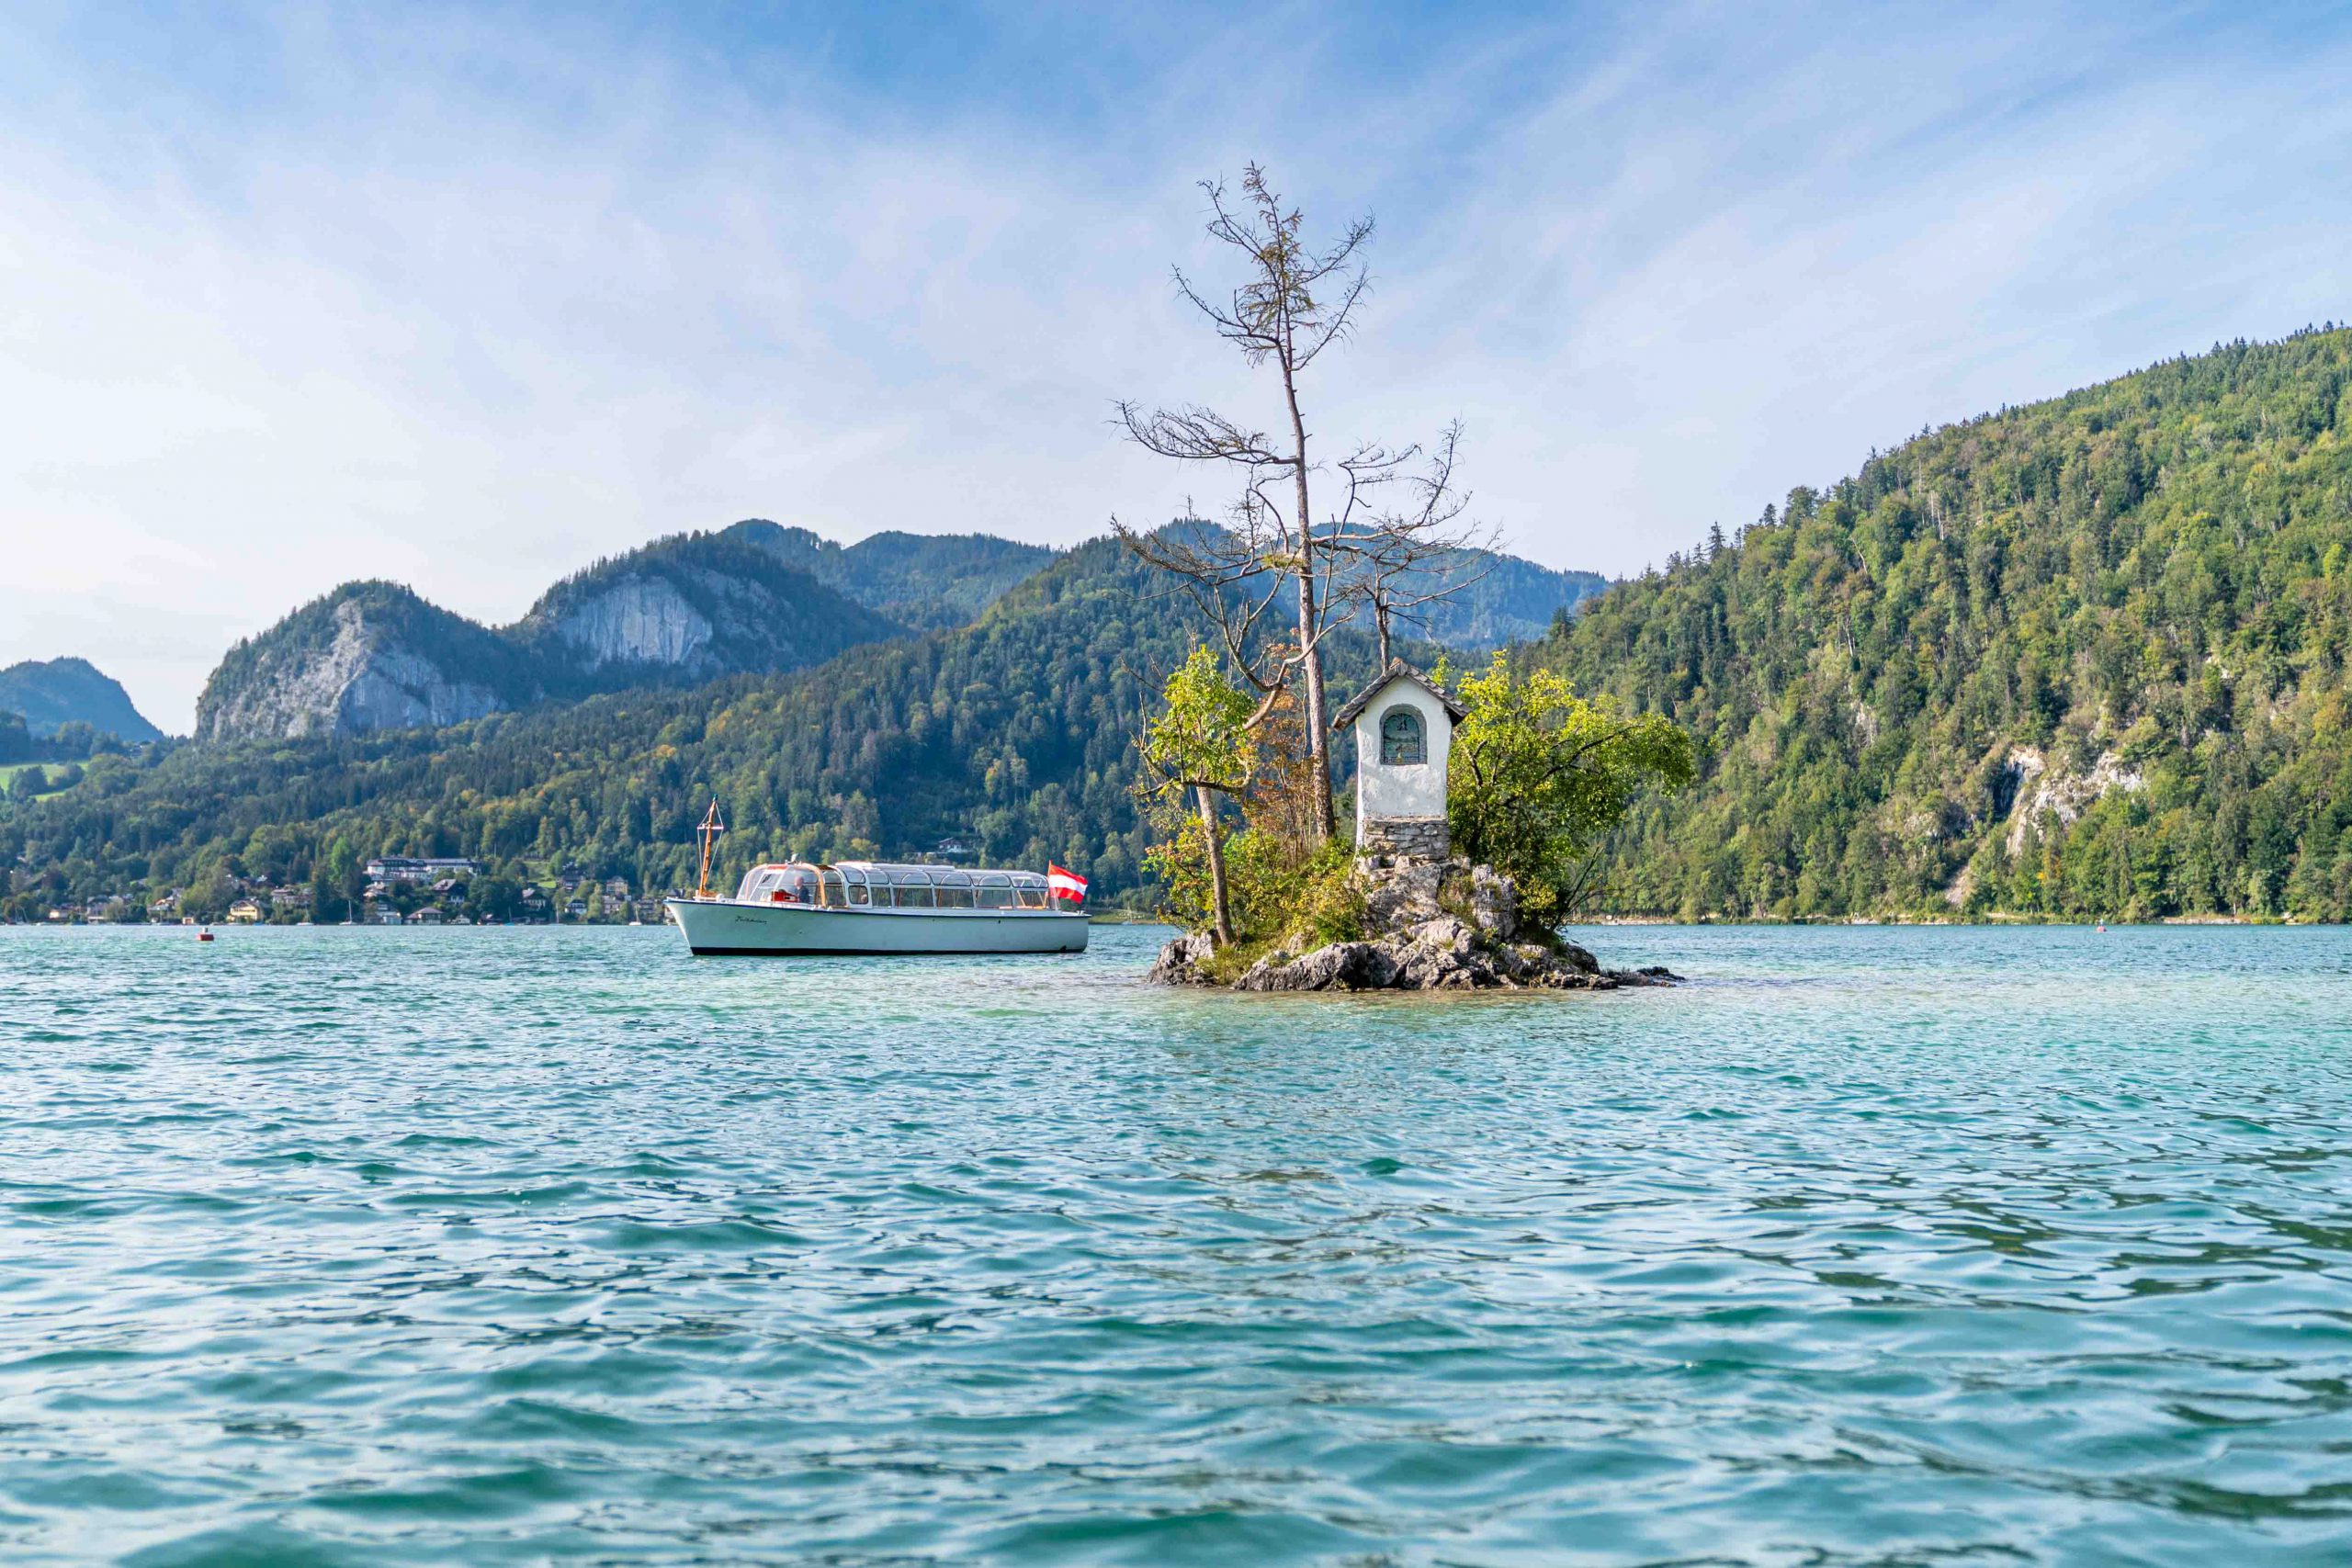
(779, 884)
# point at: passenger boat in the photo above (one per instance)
(858, 907)
(862, 907)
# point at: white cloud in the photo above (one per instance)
(468, 307)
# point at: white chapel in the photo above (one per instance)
(1404, 727)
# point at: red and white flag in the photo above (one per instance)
(1065, 883)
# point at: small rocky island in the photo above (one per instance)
(1423, 918)
(1442, 925)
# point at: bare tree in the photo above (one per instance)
(1400, 562)
(1295, 303)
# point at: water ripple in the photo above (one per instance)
(1885, 1246)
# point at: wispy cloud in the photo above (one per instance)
(467, 298)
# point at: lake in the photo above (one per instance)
(1873, 1245)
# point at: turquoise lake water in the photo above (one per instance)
(1871, 1247)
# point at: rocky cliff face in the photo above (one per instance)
(1429, 926)
(633, 620)
(682, 610)
(369, 656)
(692, 608)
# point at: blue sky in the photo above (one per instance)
(467, 297)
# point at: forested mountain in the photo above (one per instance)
(752, 598)
(1507, 600)
(2085, 658)
(924, 580)
(367, 656)
(686, 609)
(1015, 732)
(51, 693)
(679, 610)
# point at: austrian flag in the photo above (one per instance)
(1065, 883)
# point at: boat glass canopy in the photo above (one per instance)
(855, 885)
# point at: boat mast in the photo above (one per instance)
(709, 833)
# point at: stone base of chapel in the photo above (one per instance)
(1403, 838)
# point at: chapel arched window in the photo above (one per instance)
(1402, 739)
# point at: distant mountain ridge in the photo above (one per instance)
(690, 608)
(922, 581)
(682, 610)
(754, 598)
(1511, 600)
(54, 692)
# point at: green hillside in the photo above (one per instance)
(924, 580)
(1506, 599)
(1015, 732)
(2083, 659)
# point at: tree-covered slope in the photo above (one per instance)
(926, 580)
(51, 693)
(2084, 658)
(1015, 731)
(1506, 599)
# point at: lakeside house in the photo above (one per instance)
(244, 912)
(410, 868)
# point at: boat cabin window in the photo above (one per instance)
(854, 885)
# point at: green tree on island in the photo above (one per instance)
(1540, 777)
(1200, 745)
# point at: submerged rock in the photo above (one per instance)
(1429, 926)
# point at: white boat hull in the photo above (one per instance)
(727, 927)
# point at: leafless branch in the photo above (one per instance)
(1405, 536)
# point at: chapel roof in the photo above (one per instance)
(1397, 671)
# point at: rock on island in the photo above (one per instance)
(1429, 925)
